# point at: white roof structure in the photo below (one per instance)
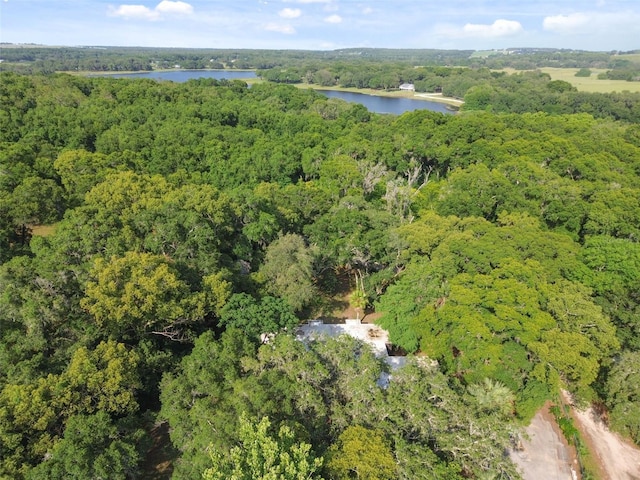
(369, 333)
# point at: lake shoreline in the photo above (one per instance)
(422, 96)
(428, 97)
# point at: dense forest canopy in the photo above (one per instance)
(150, 232)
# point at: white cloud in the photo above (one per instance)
(308, 1)
(290, 12)
(499, 28)
(367, 10)
(180, 8)
(565, 23)
(141, 12)
(280, 28)
(134, 12)
(333, 19)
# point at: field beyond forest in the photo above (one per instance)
(590, 84)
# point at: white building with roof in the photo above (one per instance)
(369, 333)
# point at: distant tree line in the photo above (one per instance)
(628, 74)
(536, 92)
(36, 58)
(481, 88)
(452, 82)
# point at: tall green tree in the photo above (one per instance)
(361, 453)
(79, 171)
(623, 395)
(264, 456)
(36, 201)
(203, 387)
(269, 315)
(447, 434)
(614, 275)
(93, 446)
(141, 293)
(288, 269)
(33, 415)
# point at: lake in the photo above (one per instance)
(394, 105)
(373, 103)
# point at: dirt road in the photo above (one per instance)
(544, 452)
(616, 458)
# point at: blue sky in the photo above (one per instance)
(599, 25)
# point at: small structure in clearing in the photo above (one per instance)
(409, 87)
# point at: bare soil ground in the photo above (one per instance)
(544, 452)
(158, 464)
(345, 310)
(337, 307)
(616, 458)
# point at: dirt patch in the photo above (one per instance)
(158, 463)
(337, 307)
(543, 452)
(370, 316)
(346, 310)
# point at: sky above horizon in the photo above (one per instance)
(597, 25)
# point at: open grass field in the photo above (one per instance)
(632, 57)
(588, 84)
(591, 84)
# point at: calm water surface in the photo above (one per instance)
(393, 105)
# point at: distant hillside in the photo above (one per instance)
(29, 58)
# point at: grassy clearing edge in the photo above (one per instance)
(586, 84)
